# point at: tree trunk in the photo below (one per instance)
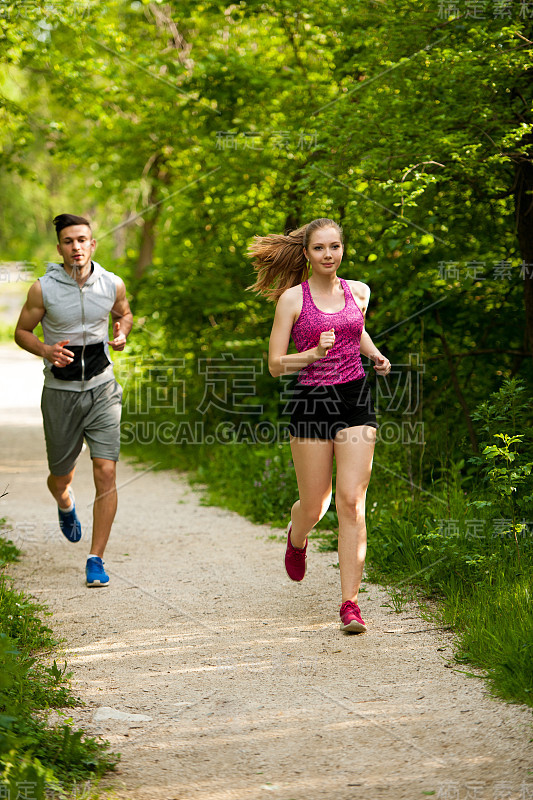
(523, 198)
(292, 222)
(457, 386)
(120, 238)
(146, 250)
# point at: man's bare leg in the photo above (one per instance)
(105, 503)
(59, 486)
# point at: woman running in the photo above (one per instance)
(332, 414)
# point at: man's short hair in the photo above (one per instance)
(65, 220)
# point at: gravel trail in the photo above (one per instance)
(250, 688)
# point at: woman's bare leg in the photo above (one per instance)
(313, 462)
(354, 451)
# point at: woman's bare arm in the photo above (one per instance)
(361, 294)
(279, 363)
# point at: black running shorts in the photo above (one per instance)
(320, 412)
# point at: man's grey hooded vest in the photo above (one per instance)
(80, 314)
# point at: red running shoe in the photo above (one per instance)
(351, 619)
(294, 558)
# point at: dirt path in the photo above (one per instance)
(251, 689)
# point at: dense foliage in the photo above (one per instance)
(194, 127)
(184, 129)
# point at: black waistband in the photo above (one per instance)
(95, 361)
(330, 387)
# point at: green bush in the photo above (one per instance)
(258, 482)
(31, 752)
(472, 551)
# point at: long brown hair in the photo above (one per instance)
(279, 259)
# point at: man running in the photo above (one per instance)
(81, 398)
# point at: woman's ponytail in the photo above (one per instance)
(280, 261)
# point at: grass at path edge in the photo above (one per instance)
(38, 760)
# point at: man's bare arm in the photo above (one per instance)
(30, 316)
(122, 318)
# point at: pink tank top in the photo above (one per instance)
(343, 362)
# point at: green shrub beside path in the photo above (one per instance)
(37, 760)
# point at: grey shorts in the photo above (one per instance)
(69, 417)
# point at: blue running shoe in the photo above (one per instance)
(69, 522)
(95, 572)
